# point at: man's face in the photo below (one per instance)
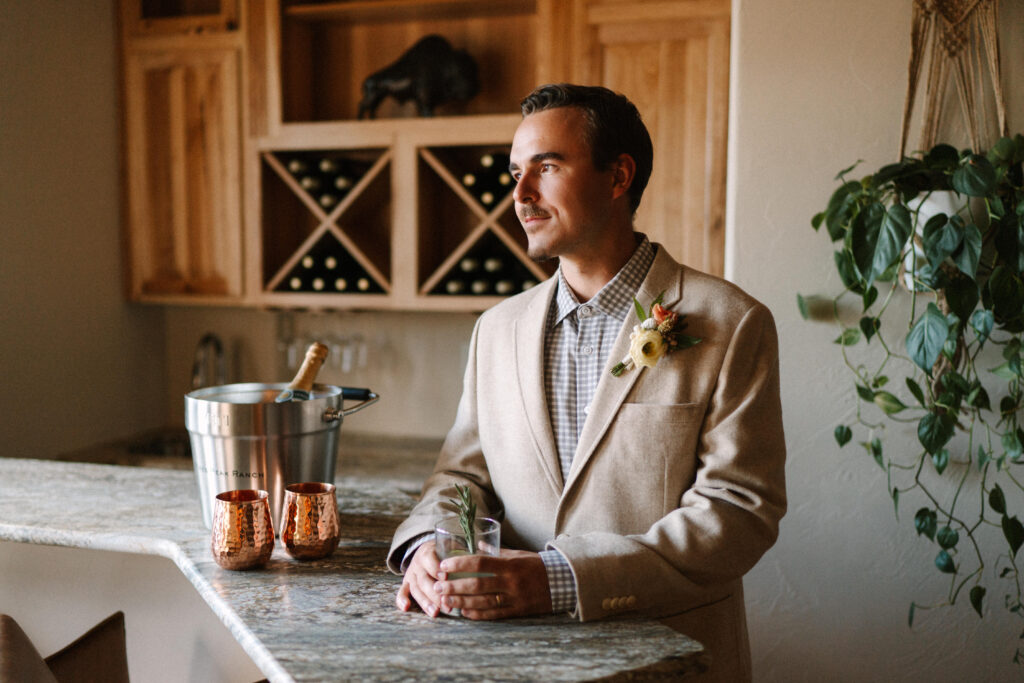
(562, 201)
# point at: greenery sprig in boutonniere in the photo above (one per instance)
(465, 506)
(657, 334)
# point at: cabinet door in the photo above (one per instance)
(183, 178)
(672, 60)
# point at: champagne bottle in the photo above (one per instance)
(299, 388)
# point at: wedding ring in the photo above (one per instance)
(497, 599)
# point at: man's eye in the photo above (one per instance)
(545, 168)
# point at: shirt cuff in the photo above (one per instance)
(561, 582)
(411, 548)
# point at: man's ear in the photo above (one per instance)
(623, 172)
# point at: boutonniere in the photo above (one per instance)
(657, 334)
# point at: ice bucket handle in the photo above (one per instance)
(365, 396)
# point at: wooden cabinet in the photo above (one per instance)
(242, 138)
(672, 59)
(182, 149)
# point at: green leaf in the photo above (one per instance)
(847, 271)
(983, 457)
(926, 338)
(640, 313)
(934, 431)
(868, 326)
(801, 305)
(982, 322)
(685, 341)
(875, 448)
(843, 435)
(978, 398)
(870, 295)
(940, 237)
(945, 563)
(925, 522)
(967, 256)
(975, 177)
(841, 207)
(947, 537)
(865, 393)
(889, 403)
(962, 295)
(1006, 292)
(1013, 530)
(910, 616)
(996, 500)
(893, 233)
(977, 595)
(940, 460)
(915, 389)
(865, 236)
(896, 501)
(1011, 444)
(1008, 371)
(849, 337)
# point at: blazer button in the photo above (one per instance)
(606, 603)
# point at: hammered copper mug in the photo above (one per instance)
(243, 533)
(309, 520)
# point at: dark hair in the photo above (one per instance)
(613, 127)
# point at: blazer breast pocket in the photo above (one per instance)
(654, 450)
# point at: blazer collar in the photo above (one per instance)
(528, 332)
(663, 276)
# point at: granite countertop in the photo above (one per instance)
(331, 619)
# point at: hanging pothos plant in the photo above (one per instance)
(953, 366)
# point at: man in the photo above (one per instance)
(651, 491)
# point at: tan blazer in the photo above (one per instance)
(677, 485)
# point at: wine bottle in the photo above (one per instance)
(299, 388)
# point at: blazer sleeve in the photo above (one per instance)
(726, 519)
(461, 461)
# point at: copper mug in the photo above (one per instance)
(309, 520)
(243, 533)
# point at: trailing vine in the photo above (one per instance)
(952, 368)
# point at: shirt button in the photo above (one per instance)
(585, 311)
(588, 349)
(586, 409)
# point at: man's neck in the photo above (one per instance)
(587, 275)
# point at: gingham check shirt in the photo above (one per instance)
(578, 339)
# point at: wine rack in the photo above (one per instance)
(482, 252)
(326, 221)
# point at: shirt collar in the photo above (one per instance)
(616, 298)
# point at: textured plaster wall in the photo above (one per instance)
(79, 363)
(817, 86)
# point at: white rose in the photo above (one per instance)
(647, 347)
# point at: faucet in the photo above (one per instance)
(208, 351)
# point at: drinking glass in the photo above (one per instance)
(309, 520)
(243, 535)
(450, 541)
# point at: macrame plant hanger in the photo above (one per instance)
(957, 36)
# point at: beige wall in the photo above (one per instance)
(817, 85)
(79, 364)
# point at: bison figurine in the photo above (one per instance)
(430, 72)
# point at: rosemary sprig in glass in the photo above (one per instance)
(465, 506)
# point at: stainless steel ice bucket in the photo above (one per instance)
(242, 439)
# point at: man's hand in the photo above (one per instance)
(418, 582)
(518, 587)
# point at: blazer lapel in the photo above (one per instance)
(664, 276)
(528, 332)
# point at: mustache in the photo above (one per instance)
(532, 212)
